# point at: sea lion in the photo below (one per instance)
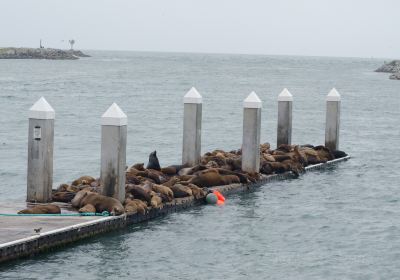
(63, 196)
(83, 180)
(62, 188)
(281, 158)
(88, 208)
(172, 169)
(198, 193)
(164, 190)
(156, 200)
(76, 201)
(138, 192)
(324, 153)
(103, 203)
(191, 170)
(42, 209)
(138, 166)
(266, 168)
(171, 182)
(153, 162)
(132, 205)
(339, 154)
(213, 178)
(268, 157)
(180, 191)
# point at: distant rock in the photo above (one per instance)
(38, 53)
(390, 67)
(395, 76)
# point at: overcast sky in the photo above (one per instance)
(294, 27)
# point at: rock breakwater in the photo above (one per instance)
(40, 53)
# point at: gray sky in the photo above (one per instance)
(294, 27)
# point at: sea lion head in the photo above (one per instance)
(117, 210)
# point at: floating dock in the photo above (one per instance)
(18, 237)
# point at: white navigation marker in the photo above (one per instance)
(332, 125)
(191, 145)
(40, 152)
(284, 133)
(113, 152)
(251, 133)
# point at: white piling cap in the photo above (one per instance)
(333, 95)
(252, 101)
(42, 110)
(114, 116)
(285, 95)
(193, 96)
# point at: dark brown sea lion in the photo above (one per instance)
(266, 168)
(42, 209)
(278, 167)
(213, 178)
(63, 196)
(339, 154)
(180, 190)
(172, 169)
(281, 158)
(153, 162)
(88, 208)
(84, 180)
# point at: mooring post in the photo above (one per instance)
(191, 145)
(251, 133)
(332, 125)
(113, 152)
(40, 152)
(284, 133)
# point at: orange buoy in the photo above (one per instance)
(221, 198)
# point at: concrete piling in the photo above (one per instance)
(251, 133)
(40, 152)
(284, 133)
(113, 152)
(191, 146)
(332, 125)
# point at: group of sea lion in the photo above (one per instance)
(153, 186)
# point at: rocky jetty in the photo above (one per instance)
(390, 67)
(395, 76)
(40, 53)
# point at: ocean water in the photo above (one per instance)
(340, 223)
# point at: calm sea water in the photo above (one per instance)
(341, 223)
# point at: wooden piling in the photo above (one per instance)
(332, 125)
(40, 152)
(191, 145)
(284, 133)
(113, 152)
(251, 133)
